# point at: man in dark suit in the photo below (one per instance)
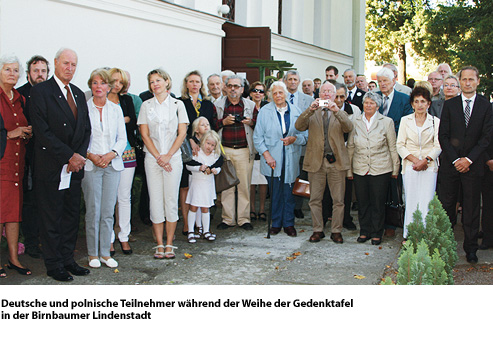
(355, 95)
(61, 123)
(37, 72)
(465, 133)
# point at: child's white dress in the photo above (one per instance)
(202, 189)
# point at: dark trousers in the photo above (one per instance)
(283, 202)
(471, 197)
(487, 216)
(327, 203)
(59, 212)
(30, 221)
(144, 211)
(371, 193)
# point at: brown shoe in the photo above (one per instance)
(275, 231)
(336, 237)
(290, 231)
(389, 232)
(317, 236)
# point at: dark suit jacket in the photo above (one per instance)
(58, 134)
(436, 107)
(3, 137)
(357, 98)
(127, 105)
(399, 108)
(458, 141)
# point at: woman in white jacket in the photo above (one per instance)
(103, 167)
(418, 146)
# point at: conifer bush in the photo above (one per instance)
(430, 253)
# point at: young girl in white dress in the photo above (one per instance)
(202, 189)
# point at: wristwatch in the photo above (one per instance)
(428, 160)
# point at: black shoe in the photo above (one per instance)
(298, 213)
(34, 252)
(471, 257)
(60, 274)
(126, 252)
(376, 242)
(483, 246)
(362, 239)
(22, 271)
(275, 231)
(223, 226)
(480, 234)
(350, 226)
(77, 270)
(246, 226)
(355, 206)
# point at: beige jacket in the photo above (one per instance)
(409, 143)
(373, 151)
(339, 123)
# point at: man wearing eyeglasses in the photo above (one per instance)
(236, 117)
(451, 89)
(436, 81)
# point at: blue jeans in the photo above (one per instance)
(282, 201)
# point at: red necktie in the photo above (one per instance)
(71, 102)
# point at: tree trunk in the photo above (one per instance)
(401, 63)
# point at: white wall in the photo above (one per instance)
(311, 61)
(136, 35)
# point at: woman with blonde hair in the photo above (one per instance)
(163, 125)
(124, 207)
(193, 95)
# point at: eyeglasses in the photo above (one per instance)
(450, 85)
(341, 96)
(233, 86)
(434, 79)
(258, 91)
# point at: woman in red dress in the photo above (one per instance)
(12, 163)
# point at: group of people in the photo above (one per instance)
(59, 141)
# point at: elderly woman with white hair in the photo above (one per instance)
(12, 163)
(279, 144)
(374, 160)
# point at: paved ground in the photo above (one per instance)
(240, 257)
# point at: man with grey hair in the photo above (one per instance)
(61, 124)
(235, 119)
(361, 82)
(355, 95)
(445, 70)
(224, 75)
(302, 101)
(436, 81)
(326, 162)
(395, 105)
(215, 86)
(399, 87)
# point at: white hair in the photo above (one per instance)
(385, 72)
(227, 73)
(280, 84)
(307, 79)
(64, 49)
(10, 59)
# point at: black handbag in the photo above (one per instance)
(394, 208)
(227, 177)
(186, 151)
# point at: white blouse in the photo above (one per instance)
(162, 120)
(107, 134)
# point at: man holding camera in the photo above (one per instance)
(326, 158)
(236, 118)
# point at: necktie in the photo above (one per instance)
(327, 148)
(467, 111)
(291, 98)
(350, 96)
(385, 105)
(71, 102)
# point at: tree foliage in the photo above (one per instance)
(460, 33)
(389, 26)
